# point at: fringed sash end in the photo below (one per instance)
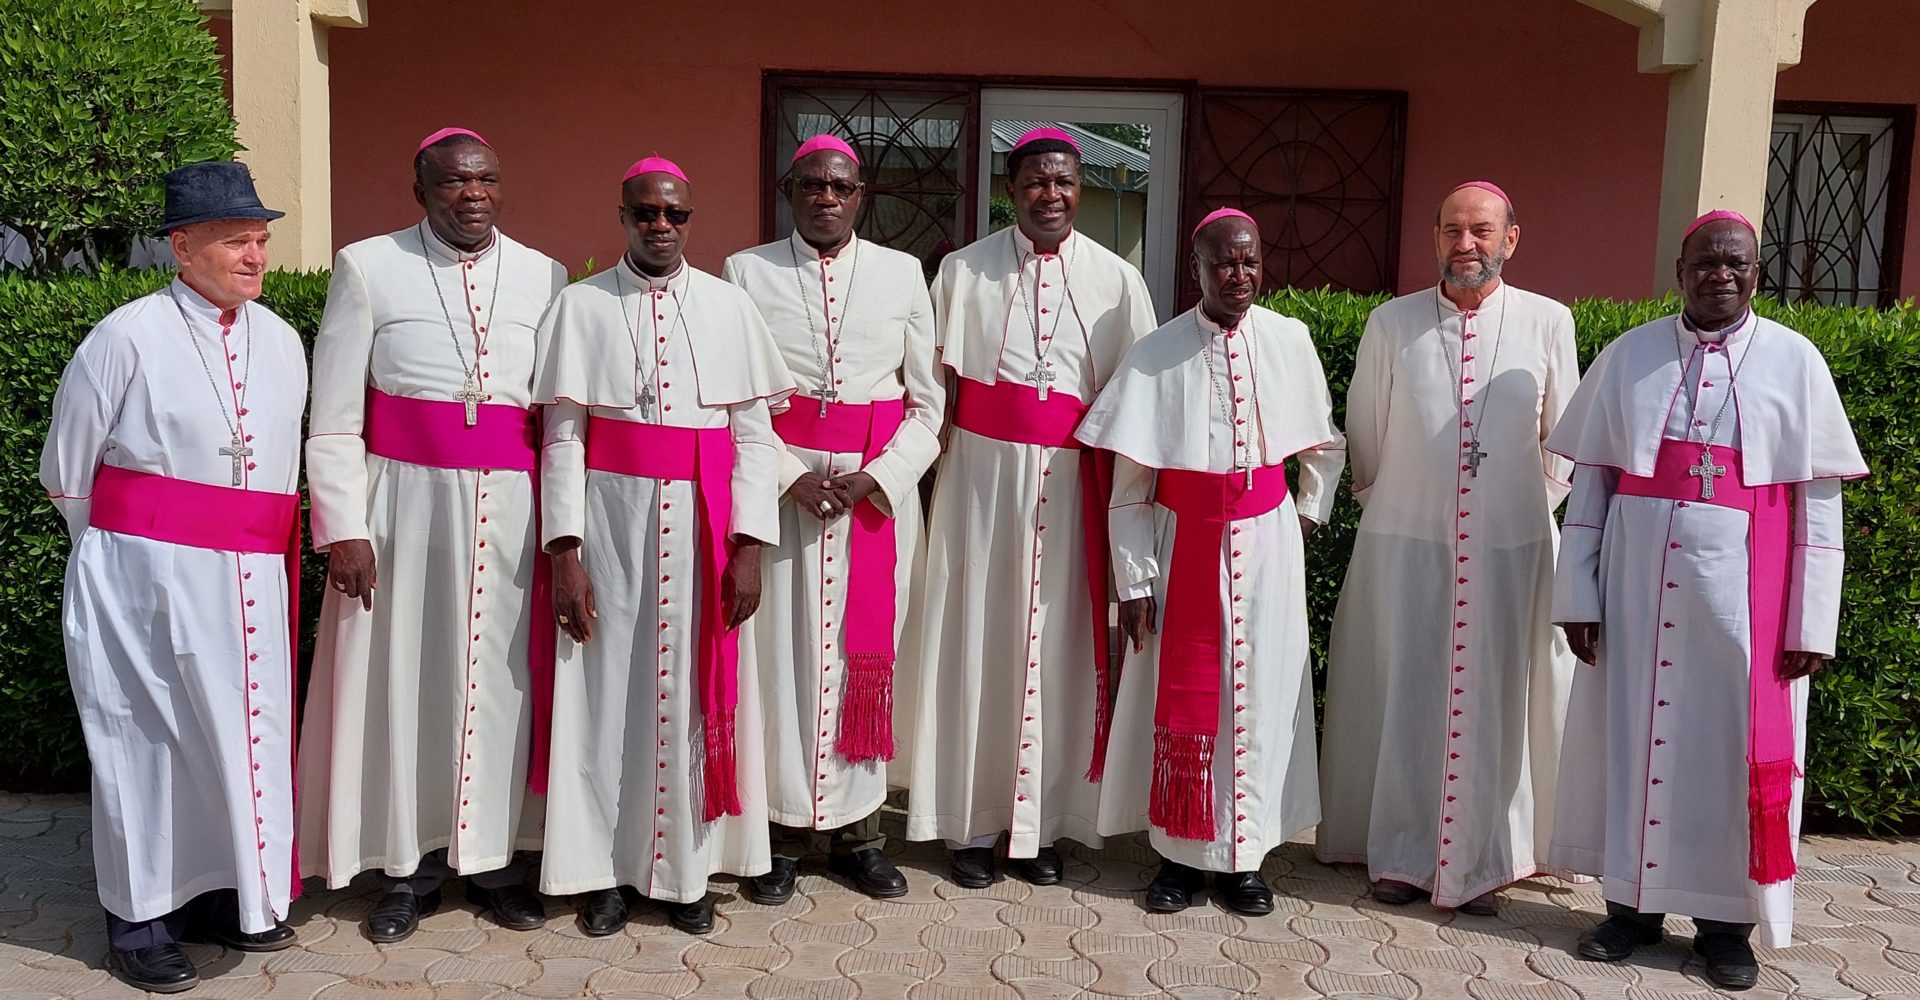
(721, 771)
(866, 712)
(1182, 799)
(1769, 806)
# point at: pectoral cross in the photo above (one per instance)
(1707, 472)
(1474, 455)
(646, 401)
(1040, 376)
(470, 395)
(239, 453)
(828, 394)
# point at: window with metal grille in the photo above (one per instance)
(1836, 203)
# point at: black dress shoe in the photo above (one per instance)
(1615, 939)
(398, 914)
(604, 913)
(1729, 959)
(1172, 889)
(973, 867)
(694, 918)
(1487, 904)
(514, 907)
(1041, 869)
(163, 968)
(1394, 893)
(1243, 892)
(776, 886)
(228, 934)
(870, 872)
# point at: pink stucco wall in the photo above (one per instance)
(1544, 99)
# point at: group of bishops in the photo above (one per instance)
(629, 582)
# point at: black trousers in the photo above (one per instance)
(1704, 926)
(221, 906)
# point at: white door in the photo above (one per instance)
(1129, 170)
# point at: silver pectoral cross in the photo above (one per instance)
(1474, 455)
(1040, 376)
(646, 401)
(828, 394)
(470, 395)
(1706, 471)
(239, 452)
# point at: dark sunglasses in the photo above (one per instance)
(648, 214)
(813, 187)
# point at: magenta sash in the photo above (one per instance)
(1014, 412)
(1186, 707)
(704, 457)
(1770, 751)
(434, 433)
(866, 713)
(221, 518)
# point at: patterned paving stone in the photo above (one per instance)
(669, 984)
(1329, 983)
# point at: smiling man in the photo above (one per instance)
(659, 488)
(1213, 731)
(1700, 580)
(1447, 683)
(854, 323)
(1010, 631)
(415, 756)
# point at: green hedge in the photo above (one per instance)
(1865, 746)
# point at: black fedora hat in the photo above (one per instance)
(208, 192)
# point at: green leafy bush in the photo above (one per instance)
(98, 100)
(1865, 744)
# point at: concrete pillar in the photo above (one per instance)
(1723, 56)
(280, 102)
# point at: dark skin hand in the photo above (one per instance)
(573, 605)
(655, 247)
(350, 570)
(459, 187)
(1584, 637)
(841, 495)
(742, 593)
(825, 194)
(1046, 196)
(1136, 620)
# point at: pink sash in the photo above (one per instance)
(1770, 750)
(866, 713)
(1014, 412)
(1186, 708)
(221, 518)
(705, 457)
(434, 433)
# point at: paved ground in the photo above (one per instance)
(1858, 934)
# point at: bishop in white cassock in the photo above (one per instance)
(419, 727)
(855, 326)
(1700, 577)
(174, 455)
(1447, 682)
(1009, 634)
(659, 476)
(1212, 747)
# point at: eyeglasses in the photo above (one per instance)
(647, 215)
(813, 187)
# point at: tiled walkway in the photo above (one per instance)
(1858, 934)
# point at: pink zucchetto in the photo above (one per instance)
(448, 133)
(1487, 186)
(655, 165)
(1720, 215)
(1035, 135)
(826, 141)
(1222, 213)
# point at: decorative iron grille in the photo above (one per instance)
(1836, 203)
(1320, 171)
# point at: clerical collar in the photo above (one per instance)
(641, 279)
(1209, 327)
(806, 251)
(1721, 335)
(448, 253)
(1025, 245)
(1451, 306)
(199, 305)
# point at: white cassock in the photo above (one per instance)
(388, 770)
(624, 799)
(1654, 772)
(1446, 681)
(1161, 415)
(1002, 636)
(865, 312)
(180, 656)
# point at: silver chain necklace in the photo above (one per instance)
(469, 393)
(650, 376)
(1706, 471)
(1041, 375)
(236, 448)
(1474, 427)
(826, 360)
(1227, 408)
